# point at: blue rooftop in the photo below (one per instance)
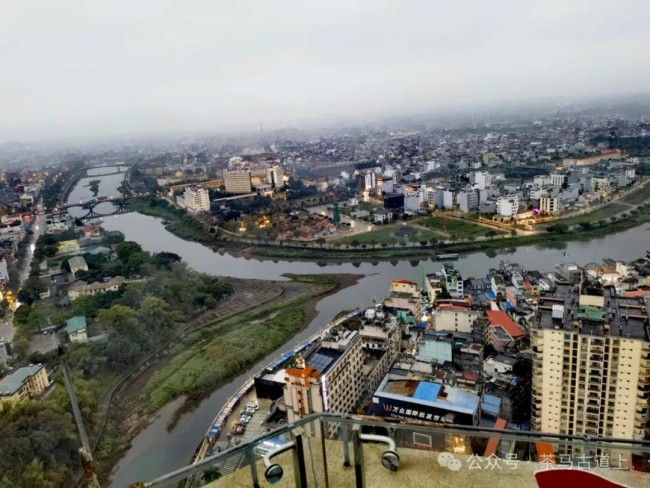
(427, 391)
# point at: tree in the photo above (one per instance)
(320, 241)
(513, 233)
(126, 248)
(26, 296)
(355, 243)
(115, 237)
(559, 228)
(491, 233)
(433, 241)
(585, 225)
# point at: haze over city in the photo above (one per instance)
(74, 69)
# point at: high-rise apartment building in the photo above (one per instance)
(329, 380)
(591, 369)
(237, 181)
(195, 200)
(274, 176)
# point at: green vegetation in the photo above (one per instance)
(390, 235)
(214, 353)
(600, 214)
(455, 228)
(141, 317)
(637, 196)
(597, 229)
(39, 445)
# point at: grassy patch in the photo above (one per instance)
(223, 356)
(600, 214)
(639, 195)
(211, 355)
(456, 229)
(392, 235)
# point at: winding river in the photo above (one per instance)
(156, 451)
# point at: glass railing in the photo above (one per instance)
(329, 450)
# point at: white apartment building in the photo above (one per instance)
(454, 318)
(549, 205)
(508, 206)
(412, 203)
(453, 280)
(482, 179)
(195, 200)
(274, 176)
(448, 198)
(558, 180)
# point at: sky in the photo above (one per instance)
(88, 68)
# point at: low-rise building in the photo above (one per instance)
(549, 205)
(454, 316)
(409, 397)
(81, 288)
(69, 247)
(24, 383)
(508, 206)
(503, 331)
(383, 216)
(77, 263)
(76, 329)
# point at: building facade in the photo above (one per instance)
(591, 365)
(237, 181)
(195, 200)
(329, 380)
(24, 383)
(549, 205)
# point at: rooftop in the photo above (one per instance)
(499, 318)
(76, 324)
(428, 393)
(77, 262)
(10, 384)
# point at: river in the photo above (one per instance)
(156, 451)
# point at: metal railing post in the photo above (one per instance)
(346, 446)
(299, 469)
(322, 443)
(357, 446)
(251, 461)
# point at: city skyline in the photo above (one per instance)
(116, 69)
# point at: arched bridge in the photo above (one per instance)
(119, 206)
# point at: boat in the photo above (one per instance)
(446, 257)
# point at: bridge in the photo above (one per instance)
(119, 206)
(111, 165)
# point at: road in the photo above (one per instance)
(7, 330)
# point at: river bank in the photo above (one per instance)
(189, 228)
(210, 356)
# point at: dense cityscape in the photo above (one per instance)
(324, 244)
(518, 348)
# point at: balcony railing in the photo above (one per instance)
(328, 450)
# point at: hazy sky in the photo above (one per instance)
(90, 67)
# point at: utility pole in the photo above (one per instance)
(85, 452)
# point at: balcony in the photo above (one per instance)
(339, 451)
